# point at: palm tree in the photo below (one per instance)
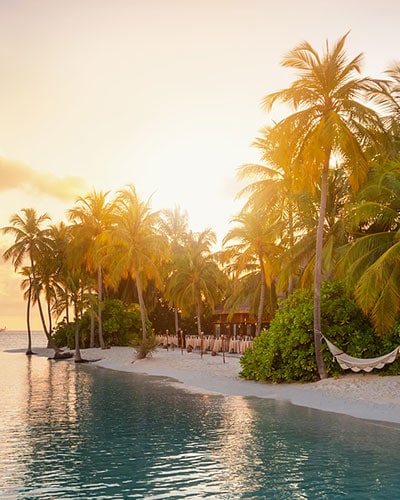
(92, 217)
(386, 93)
(370, 262)
(253, 252)
(31, 242)
(137, 248)
(61, 243)
(196, 278)
(337, 232)
(27, 286)
(174, 226)
(330, 122)
(47, 276)
(275, 191)
(75, 281)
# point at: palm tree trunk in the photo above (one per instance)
(28, 319)
(142, 305)
(100, 300)
(198, 310)
(291, 244)
(176, 320)
(49, 316)
(262, 299)
(50, 341)
(78, 357)
(91, 328)
(66, 305)
(318, 272)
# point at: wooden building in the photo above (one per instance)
(234, 324)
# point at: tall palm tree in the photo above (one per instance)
(92, 217)
(196, 278)
(137, 247)
(253, 251)
(31, 242)
(329, 122)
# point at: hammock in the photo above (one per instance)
(357, 364)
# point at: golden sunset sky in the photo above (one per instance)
(164, 94)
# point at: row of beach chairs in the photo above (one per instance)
(207, 343)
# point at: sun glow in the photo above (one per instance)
(164, 95)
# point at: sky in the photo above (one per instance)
(163, 94)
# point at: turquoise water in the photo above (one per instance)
(84, 432)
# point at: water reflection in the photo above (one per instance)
(237, 449)
(82, 432)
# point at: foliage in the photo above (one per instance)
(325, 127)
(138, 249)
(117, 247)
(196, 279)
(369, 264)
(121, 326)
(145, 347)
(285, 352)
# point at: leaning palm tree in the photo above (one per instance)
(329, 122)
(31, 243)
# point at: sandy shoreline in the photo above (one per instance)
(368, 396)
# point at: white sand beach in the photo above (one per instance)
(365, 396)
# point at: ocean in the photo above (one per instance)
(80, 431)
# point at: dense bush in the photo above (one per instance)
(121, 326)
(285, 352)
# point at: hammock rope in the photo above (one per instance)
(359, 364)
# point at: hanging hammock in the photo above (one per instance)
(357, 364)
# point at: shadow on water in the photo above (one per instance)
(85, 432)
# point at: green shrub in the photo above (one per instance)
(121, 326)
(64, 335)
(286, 353)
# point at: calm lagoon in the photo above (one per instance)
(85, 432)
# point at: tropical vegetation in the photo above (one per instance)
(314, 250)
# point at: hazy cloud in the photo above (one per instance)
(16, 175)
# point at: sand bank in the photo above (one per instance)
(366, 396)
